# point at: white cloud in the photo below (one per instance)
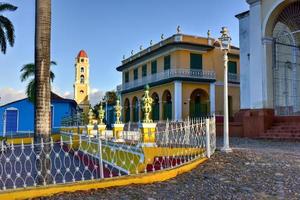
(8, 95)
(96, 95)
(64, 94)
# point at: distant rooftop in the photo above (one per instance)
(54, 98)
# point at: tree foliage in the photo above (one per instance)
(27, 71)
(7, 30)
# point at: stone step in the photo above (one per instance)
(283, 135)
(286, 125)
(280, 137)
(283, 131)
(287, 119)
(287, 128)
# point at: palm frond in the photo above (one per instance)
(27, 71)
(30, 90)
(52, 76)
(7, 7)
(54, 63)
(2, 40)
(9, 30)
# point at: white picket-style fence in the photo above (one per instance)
(77, 157)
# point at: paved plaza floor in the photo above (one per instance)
(257, 169)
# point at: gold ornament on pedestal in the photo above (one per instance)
(147, 105)
(118, 109)
(101, 113)
(91, 117)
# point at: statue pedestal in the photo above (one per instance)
(148, 133)
(81, 130)
(101, 129)
(117, 129)
(90, 130)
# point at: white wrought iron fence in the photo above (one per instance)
(78, 157)
(131, 135)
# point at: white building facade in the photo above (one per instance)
(270, 56)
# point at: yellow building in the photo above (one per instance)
(185, 74)
(81, 85)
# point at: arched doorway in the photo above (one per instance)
(167, 105)
(11, 118)
(136, 108)
(286, 60)
(199, 103)
(155, 107)
(127, 110)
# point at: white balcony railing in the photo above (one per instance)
(233, 77)
(171, 73)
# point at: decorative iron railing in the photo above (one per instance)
(171, 73)
(78, 157)
(232, 77)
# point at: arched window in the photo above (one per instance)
(82, 79)
(127, 110)
(155, 107)
(167, 105)
(82, 69)
(136, 109)
(199, 103)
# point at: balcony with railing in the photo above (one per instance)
(201, 75)
(233, 78)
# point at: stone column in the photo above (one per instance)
(161, 109)
(177, 101)
(212, 98)
(257, 67)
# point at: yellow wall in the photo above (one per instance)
(187, 90)
(158, 176)
(212, 61)
(158, 89)
(232, 91)
(29, 140)
(194, 39)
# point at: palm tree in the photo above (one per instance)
(42, 68)
(28, 70)
(7, 31)
(42, 129)
(111, 97)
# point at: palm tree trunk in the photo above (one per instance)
(43, 90)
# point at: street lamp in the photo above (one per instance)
(225, 47)
(106, 114)
(78, 116)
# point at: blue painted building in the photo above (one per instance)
(17, 118)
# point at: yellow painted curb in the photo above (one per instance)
(152, 177)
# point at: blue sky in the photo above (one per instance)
(107, 29)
